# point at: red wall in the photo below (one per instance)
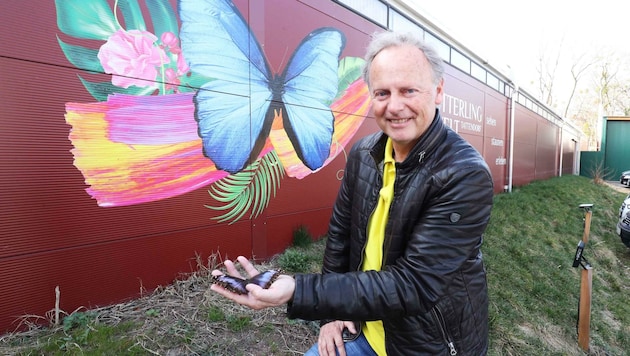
(479, 114)
(54, 234)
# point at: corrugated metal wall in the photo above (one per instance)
(53, 233)
(614, 155)
(617, 146)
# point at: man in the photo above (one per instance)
(403, 247)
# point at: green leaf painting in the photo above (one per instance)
(92, 19)
(249, 189)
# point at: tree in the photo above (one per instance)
(547, 68)
(578, 69)
(584, 102)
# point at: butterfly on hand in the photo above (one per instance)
(237, 285)
(235, 110)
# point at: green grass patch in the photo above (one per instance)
(305, 255)
(534, 290)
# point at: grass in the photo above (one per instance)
(534, 292)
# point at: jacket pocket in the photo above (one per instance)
(441, 325)
(348, 336)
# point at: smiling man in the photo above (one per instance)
(404, 95)
(403, 271)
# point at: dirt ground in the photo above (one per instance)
(184, 318)
(617, 186)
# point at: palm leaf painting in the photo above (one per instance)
(248, 190)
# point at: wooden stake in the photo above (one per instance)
(584, 313)
(586, 284)
(587, 225)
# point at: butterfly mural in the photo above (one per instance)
(210, 113)
(234, 132)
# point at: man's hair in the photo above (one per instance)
(383, 40)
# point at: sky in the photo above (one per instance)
(516, 33)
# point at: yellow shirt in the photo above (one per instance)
(373, 259)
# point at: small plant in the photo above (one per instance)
(294, 260)
(301, 237)
(152, 313)
(215, 314)
(599, 173)
(78, 320)
(77, 328)
(238, 323)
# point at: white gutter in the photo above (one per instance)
(511, 146)
(561, 126)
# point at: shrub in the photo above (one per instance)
(294, 260)
(301, 237)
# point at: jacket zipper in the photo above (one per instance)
(442, 326)
(388, 237)
(367, 227)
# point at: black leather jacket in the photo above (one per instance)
(431, 293)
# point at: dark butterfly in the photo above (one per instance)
(237, 285)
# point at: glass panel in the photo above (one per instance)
(373, 9)
(479, 73)
(494, 82)
(442, 48)
(460, 61)
(400, 23)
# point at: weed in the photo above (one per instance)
(294, 260)
(152, 313)
(600, 172)
(305, 255)
(302, 238)
(78, 320)
(215, 314)
(238, 323)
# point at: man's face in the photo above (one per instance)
(404, 96)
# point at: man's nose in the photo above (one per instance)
(396, 103)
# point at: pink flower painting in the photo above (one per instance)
(133, 58)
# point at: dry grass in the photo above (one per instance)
(600, 172)
(184, 318)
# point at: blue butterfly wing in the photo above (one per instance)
(310, 84)
(218, 44)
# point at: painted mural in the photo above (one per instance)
(198, 106)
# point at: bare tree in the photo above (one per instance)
(614, 88)
(604, 84)
(547, 68)
(578, 69)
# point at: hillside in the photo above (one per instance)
(534, 291)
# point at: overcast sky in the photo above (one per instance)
(514, 33)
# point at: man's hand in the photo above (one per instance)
(280, 292)
(330, 337)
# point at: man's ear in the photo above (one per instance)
(439, 92)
